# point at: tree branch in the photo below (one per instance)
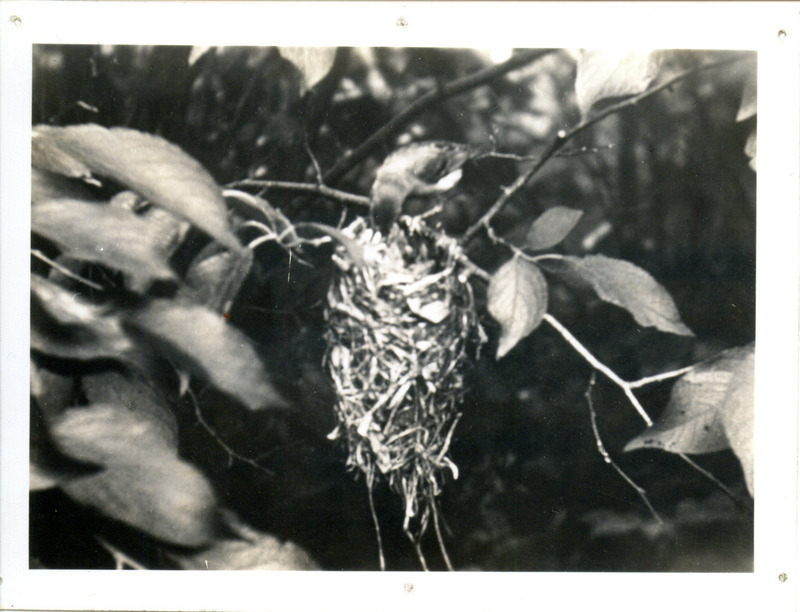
(423, 103)
(563, 137)
(343, 197)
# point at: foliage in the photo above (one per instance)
(179, 327)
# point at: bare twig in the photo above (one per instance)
(336, 195)
(120, 558)
(648, 380)
(423, 103)
(607, 457)
(232, 454)
(65, 271)
(598, 365)
(742, 504)
(565, 136)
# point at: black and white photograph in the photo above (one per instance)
(397, 309)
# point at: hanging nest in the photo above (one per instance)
(401, 325)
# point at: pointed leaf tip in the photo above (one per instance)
(517, 299)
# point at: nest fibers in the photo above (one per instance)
(400, 326)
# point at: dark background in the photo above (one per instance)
(534, 494)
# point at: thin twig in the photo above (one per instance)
(336, 195)
(120, 558)
(607, 457)
(598, 365)
(565, 136)
(232, 454)
(65, 271)
(647, 380)
(423, 103)
(716, 481)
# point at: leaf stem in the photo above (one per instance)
(65, 271)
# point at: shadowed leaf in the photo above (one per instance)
(63, 325)
(312, 62)
(552, 227)
(158, 170)
(201, 341)
(143, 483)
(626, 285)
(517, 299)
(710, 409)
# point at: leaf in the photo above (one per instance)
(517, 299)
(143, 483)
(196, 53)
(50, 186)
(551, 227)
(158, 170)
(216, 280)
(607, 73)
(626, 285)
(312, 62)
(201, 341)
(103, 234)
(750, 148)
(711, 408)
(138, 395)
(748, 107)
(66, 326)
(253, 551)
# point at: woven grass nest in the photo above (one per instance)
(401, 325)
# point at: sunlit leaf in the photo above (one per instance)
(201, 341)
(626, 285)
(253, 550)
(610, 73)
(143, 482)
(517, 299)
(64, 325)
(312, 62)
(158, 170)
(711, 408)
(551, 227)
(104, 234)
(748, 107)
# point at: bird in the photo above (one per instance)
(418, 169)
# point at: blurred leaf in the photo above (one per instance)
(52, 392)
(254, 551)
(551, 227)
(625, 285)
(50, 186)
(750, 148)
(312, 62)
(135, 393)
(711, 408)
(517, 299)
(748, 107)
(65, 326)
(158, 170)
(216, 280)
(196, 53)
(103, 234)
(201, 341)
(143, 483)
(613, 73)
